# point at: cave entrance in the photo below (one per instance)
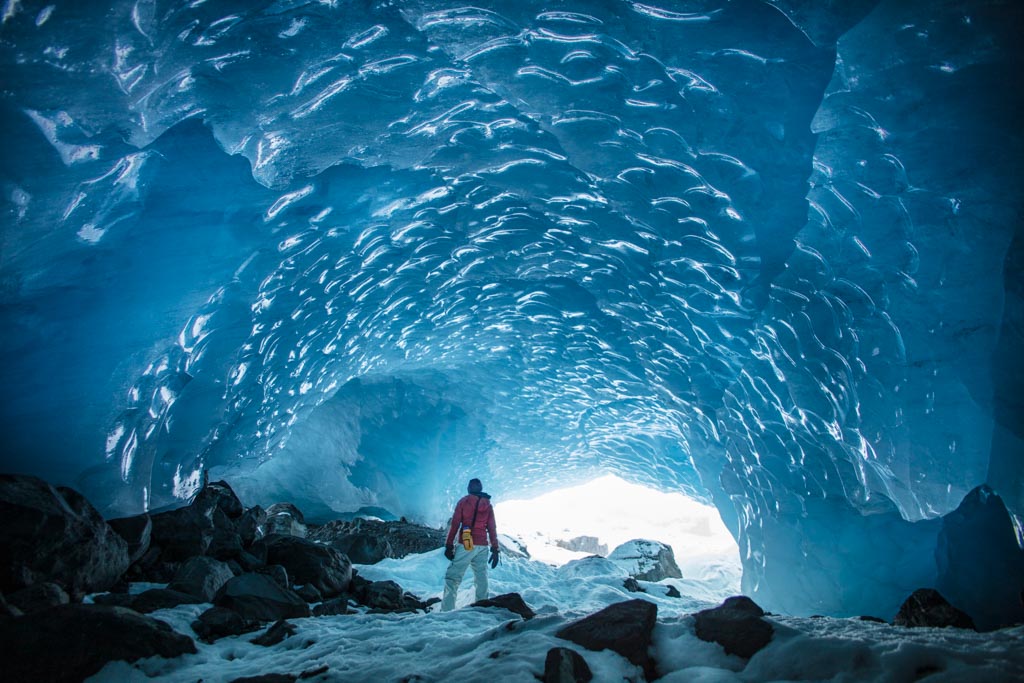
(596, 517)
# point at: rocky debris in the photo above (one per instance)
(284, 519)
(250, 525)
(563, 665)
(308, 563)
(513, 602)
(276, 633)
(219, 495)
(736, 625)
(927, 607)
(672, 592)
(872, 619)
(160, 598)
(136, 532)
(308, 593)
(386, 596)
(88, 636)
(182, 533)
(624, 627)
(368, 541)
(218, 622)
(332, 607)
(275, 571)
(258, 597)
(38, 597)
(584, 544)
(646, 560)
(632, 585)
(201, 577)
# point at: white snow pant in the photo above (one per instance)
(475, 558)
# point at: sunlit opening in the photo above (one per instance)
(614, 511)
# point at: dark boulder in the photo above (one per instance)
(927, 607)
(182, 533)
(308, 563)
(161, 598)
(368, 541)
(632, 585)
(225, 545)
(309, 593)
(284, 519)
(136, 532)
(201, 577)
(86, 637)
(250, 525)
(672, 592)
(260, 598)
(380, 595)
(218, 495)
(513, 602)
(364, 548)
(563, 665)
(275, 571)
(54, 535)
(38, 597)
(332, 607)
(736, 625)
(8, 610)
(646, 560)
(218, 622)
(624, 627)
(274, 634)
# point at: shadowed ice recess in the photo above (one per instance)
(351, 253)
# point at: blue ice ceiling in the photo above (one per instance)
(351, 253)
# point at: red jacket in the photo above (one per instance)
(463, 517)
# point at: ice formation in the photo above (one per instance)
(350, 253)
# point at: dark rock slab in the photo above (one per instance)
(309, 563)
(182, 533)
(260, 598)
(381, 595)
(276, 633)
(250, 525)
(563, 665)
(161, 598)
(8, 610)
(513, 602)
(54, 535)
(368, 541)
(927, 607)
(136, 532)
(309, 593)
(624, 627)
(672, 592)
(737, 625)
(201, 577)
(267, 678)
(275, 571)
(218, 622)
(632, 585)
(332, 607)
(38, 597)
(86, 638)
(219, 495)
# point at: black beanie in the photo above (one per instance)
(475, 486)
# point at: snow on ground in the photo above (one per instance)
(489, 645)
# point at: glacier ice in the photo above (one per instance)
(347, 253)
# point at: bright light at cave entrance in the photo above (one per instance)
(615, 511)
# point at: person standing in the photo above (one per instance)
(473, 522)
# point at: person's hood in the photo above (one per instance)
(482, 495)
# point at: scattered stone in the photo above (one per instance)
(38, 597)
(276, 633)
(737, 625)
(320, 566)
(672, 592)
(161, 598)
(88, 636)
(872, 619)
(646, 560)
(309, 593)
(284, 519)
(624, 627)
(332, 607)
(218, 622)
(260, 598)
(927, 607)
(201, 577)
(584, 544)
(632, 585)
(54, 535)
(136, 532)
(563, 665)
(513, 602)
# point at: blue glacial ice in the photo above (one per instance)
(349, 253)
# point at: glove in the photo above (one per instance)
(494, 558)
(449, 552)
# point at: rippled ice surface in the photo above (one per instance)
(350, 253)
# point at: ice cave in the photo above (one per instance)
(349, 253)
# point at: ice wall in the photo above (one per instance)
(349, 253)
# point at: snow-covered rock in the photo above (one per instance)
(646, 560)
